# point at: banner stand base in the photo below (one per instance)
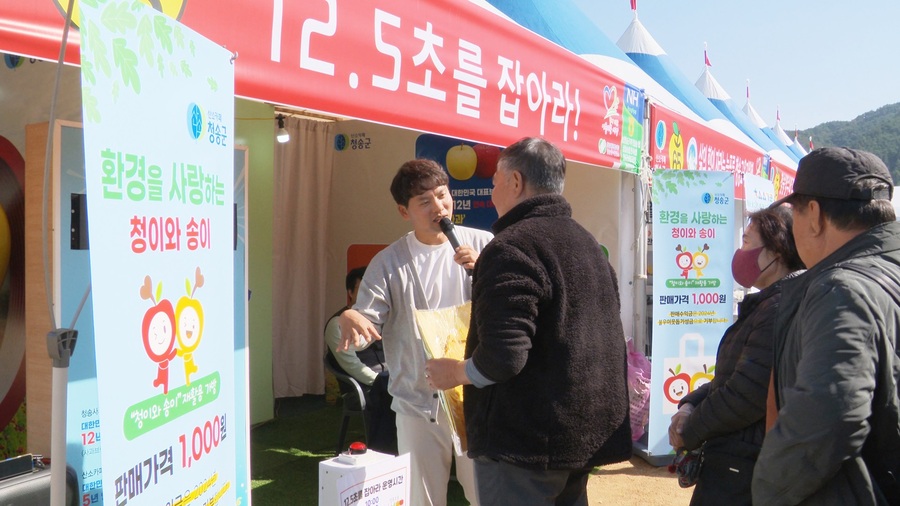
(640, 449)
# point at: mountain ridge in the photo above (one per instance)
(876, 131)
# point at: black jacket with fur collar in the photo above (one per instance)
(546, 328)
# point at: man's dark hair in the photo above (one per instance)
(353, 276)
(853, 214)
(541, 164)
(774, 226)
(416, 177)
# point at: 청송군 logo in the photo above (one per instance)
(340, 142)
(195, 121)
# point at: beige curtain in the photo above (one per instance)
(303, 168)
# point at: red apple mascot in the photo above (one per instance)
(158, 332)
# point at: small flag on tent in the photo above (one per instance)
(706, 58)
(811, 147)
(777, 115)
(634, 5)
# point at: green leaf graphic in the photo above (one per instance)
(145, 33)
(126, 60)
(187, 286)
(173, 69)
(98, 50)
(158, 292)
(161, 65)
(89, 102)
(117, 18)
(87, 72)
(91, 3)
(163, 32)
(115, 91)
(213, 85)
(179, 36)
(193, 48)
(186, 69)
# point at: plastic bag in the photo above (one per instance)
(638, 390)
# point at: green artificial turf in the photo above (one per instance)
(285, 452)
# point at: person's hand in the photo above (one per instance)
(676, 427)
(466, 256)
(356, 329)
(445, 373)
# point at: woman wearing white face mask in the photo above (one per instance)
(727, 416)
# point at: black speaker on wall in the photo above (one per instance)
(78, 234)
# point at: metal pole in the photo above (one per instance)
(60, 345)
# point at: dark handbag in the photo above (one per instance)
(686, 466)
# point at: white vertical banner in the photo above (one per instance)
(693, 242)
(158, 107)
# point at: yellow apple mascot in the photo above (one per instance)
(189, 328)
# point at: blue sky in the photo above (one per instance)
(815, 61)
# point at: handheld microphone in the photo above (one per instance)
(447, 228)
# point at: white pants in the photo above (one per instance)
(430, 449)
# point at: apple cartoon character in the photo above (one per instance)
(676, 149)
(677, 386)
(701, 260)
(701, 378)
(189, 316)
(684, 260)
(158, 332)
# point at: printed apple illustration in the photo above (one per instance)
(190, 322)
(189, 318)
(5, 244)
(684, 260)
(677, 386)
(158, 332)
(487, 160)
(461, 162)
(701, 260)
(676, 149)
(701, 378)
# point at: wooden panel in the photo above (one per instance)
(38, 370)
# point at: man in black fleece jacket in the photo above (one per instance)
(545, 370)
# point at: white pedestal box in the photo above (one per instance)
(369, 479)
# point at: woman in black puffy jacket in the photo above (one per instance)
(727, 416)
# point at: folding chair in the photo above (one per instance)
(352, 395)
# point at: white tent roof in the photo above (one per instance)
(637, 39)
(708, 85)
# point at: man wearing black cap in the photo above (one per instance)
(836, 439)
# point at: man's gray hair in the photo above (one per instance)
(542, 165)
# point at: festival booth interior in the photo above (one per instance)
(349, 210)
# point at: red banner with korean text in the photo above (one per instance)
(401, 62)
(677, 142)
